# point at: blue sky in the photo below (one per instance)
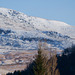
(61, 10)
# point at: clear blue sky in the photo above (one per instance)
(61, 10)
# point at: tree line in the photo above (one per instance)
(47, 62)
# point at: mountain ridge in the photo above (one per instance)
(18, 30)
(1, 8)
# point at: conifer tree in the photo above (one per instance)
(44, 63)
(40, 66)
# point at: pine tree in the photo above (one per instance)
(40, 66)
(46, 64)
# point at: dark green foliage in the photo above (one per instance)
(9, 74)
(39, 64)
(66, 63)
(19, 73)
(15, 73)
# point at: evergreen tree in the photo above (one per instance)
(39, 64)
(46, 62)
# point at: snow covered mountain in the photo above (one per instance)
(19, 31)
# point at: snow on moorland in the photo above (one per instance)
(19, 31)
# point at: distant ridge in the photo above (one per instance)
(18, 30)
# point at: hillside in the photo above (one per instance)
(21, 32)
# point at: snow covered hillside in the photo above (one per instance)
(19, 31)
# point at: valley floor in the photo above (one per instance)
(15, 60)
(11, 60)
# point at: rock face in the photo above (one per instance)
(19, 31)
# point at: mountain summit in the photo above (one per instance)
(19, 31)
